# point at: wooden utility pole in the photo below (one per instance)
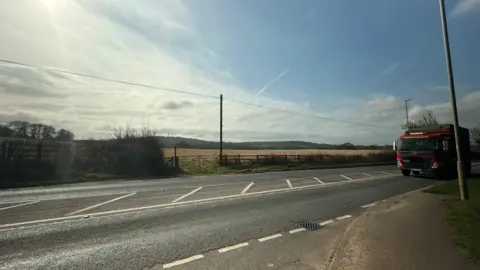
(221, 129)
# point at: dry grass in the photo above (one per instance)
(186, 152)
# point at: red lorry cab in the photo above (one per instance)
(431, 151)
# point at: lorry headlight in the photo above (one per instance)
(399, 164)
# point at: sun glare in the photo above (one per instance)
(49, 3)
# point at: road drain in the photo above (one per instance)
(309, 225)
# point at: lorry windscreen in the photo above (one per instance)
(417, 144)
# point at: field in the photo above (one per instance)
(186, 152)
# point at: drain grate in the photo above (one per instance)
(309, 225)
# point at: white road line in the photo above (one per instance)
(368, 175)
(344, 217)
(199, 177)
(387, 173)
(247, 188)
(289, 183)
(186, 195)
(297, 230)
(225, 249)
(318, 180)
(346, 177)
(323, 223)
(183, 261)
(4, 227)
(99, 204)
(18, 205)
(368, 205)
(269, 237)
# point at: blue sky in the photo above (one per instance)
(338, 48)
(347, 60)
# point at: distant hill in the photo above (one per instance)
(169, 142)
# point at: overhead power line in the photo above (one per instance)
(307, 115)
(191, 93)
(109, 80)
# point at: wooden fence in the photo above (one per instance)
(34, 150)
(261, 160)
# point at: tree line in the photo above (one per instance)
(25, 130)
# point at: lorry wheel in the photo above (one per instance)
(406, 172)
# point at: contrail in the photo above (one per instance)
(279, 76)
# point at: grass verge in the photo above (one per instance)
(463, 216)
(211, 167)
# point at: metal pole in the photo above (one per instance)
(406, 111)
(221, 129)
(461, 180)
(175, 165)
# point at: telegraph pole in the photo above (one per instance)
(221, 129)
(406, 110)
(461, 179)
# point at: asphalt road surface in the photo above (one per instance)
(195, 222)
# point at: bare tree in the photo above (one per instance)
(35, 131)
(21, 129)
(145, 132)
(48, 132)
(5, 131)
(129, 132)
(425, 119)
(65, 135)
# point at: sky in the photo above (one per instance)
(320, 71)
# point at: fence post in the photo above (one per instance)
(177, 162)
(39, 152)
(4, 152)
(298, 158)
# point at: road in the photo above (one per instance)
(186, 222)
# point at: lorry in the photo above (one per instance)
(431, 151)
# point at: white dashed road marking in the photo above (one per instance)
(323, 223)
(368, 205)
(245, 190)
(344, 217)
(366, 174)
(289, 183)
(18, 205)
(186, 195)
(269, 237)
(318, 180)
(297, 230)
(4, 227)
(225, 249)
(99, 204)
(346, 177)
(183, 261)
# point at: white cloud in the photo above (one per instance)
(152, 43)
(465, 6)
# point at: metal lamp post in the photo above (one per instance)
(406, 111)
